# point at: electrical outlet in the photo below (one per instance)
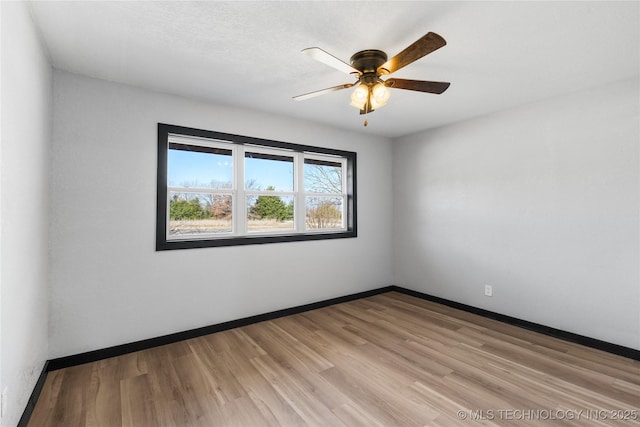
(488, 290)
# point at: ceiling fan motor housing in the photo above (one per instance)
(368, 61)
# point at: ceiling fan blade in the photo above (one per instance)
(418, 85)
(322, 91)
(421, 47)
(330, 60)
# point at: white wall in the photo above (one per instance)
(26, 87)
(110, 286)
(541, 202)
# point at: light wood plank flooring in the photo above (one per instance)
(387, 360)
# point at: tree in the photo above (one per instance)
(221, 206)
(218, 205)
(272, 207)
(322, 178)
(325, 214)
(181, 209)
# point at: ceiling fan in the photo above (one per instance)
(368, 67)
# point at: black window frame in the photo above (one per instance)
(162, 241)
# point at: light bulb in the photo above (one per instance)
(379, 95)
(360, 96)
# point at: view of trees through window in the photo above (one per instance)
(196, 213)
(201, 200)
(323, 177)
(219, 189)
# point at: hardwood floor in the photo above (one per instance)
(386, 360)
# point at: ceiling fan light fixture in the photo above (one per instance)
(360, 96)
(379, 95)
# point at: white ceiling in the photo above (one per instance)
(247, 54)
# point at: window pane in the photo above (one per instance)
(189, 167)
(268, 172)
(324, 213)
(269, 213)
(322, 176)
(191, 214)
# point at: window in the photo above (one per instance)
(217, 189)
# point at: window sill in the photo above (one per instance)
(257, 240)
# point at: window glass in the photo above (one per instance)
(324, 213)
(269, 213)
(322, 176)
(263, 171)
(194, 214)
(199, 167)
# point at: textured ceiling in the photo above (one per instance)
(247, 54)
